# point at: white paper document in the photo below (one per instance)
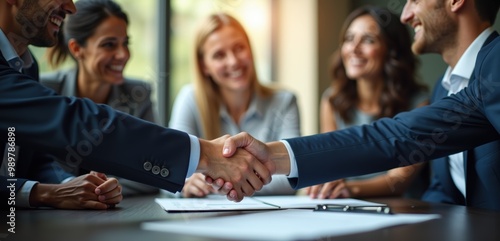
(220, 203)
(291, 224)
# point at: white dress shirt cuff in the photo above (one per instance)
(294, 173)
(194, 157)
(23, 195)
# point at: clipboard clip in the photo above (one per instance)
(354, 209)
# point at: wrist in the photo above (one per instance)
(203, 162)
(280, 157)
(40, 195)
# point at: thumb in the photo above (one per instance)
(232, 143)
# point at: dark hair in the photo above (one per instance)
(81, 26)
(488, 9)
(399, 68)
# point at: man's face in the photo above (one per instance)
(40, 20)
(435, 29)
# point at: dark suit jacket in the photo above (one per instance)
(31, 165)
(483, 167)
(460, 122)
(78, 130)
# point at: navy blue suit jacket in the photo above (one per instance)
(483, 167)
(456, 123)
(78, 130)
(32, 165)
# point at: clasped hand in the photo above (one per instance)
(243, 168)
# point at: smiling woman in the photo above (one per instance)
(96, 38)
(226, 97)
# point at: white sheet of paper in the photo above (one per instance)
(211, 203)
(291, 224)
(220, 203)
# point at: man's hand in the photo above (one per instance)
(273, 155)
(89, 191)
(252, 145)
(242, 170)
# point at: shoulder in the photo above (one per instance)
(327, 93)
(284, 96)
(135, 85)
(56, 79)
(186, 92)
(491, 50)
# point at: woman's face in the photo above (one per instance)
(227, 58)
(106, 52)
(363, 51)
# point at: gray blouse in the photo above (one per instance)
(267, 119)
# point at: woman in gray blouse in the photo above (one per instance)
(227, 98)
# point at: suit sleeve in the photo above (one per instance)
(454, 124)
(79, 131)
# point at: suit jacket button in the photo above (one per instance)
(147, 166)
(164, 172)
(156, 170)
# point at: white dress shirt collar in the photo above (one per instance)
(457, 78)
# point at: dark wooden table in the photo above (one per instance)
(123, 223)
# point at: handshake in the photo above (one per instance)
(239, 165)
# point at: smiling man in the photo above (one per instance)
(457, 30)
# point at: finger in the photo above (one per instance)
(217, 184)
(315, 190)
(345, 193)
(89, 204)
(325, 191)
(226, 188)
(232, 195)
(191, 189)
(111, 200)
(99, 174)
(113, 197)
(107, 186)
(209, 180)
(262, 172)
(337, 191)
(237, 194)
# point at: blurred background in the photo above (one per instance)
(292, 41)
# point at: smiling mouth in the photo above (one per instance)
(235, 74)
(56, 21)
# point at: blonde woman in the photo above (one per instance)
(227, 98)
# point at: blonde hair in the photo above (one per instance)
(206, 90)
